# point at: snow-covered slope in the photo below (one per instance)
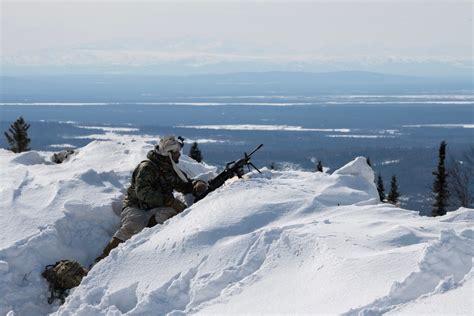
(277, 242)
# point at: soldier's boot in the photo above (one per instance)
(113, 243)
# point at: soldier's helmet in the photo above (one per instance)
(169, 144)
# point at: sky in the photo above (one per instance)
(182, 37)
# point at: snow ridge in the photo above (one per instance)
(277, 242)
(445, 264)
(52, 212)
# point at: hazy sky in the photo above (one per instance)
(200, 34)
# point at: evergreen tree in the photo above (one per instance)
(272, 166)
(380, 188)
(195, 152)
(393, 195)
(319, 167)
(440, 185)
(17, 136)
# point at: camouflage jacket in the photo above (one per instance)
(153, 182)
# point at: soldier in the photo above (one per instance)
(149, 198)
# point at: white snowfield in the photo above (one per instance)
(280, 242)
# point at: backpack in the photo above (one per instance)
(62, 276)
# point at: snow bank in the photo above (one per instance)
(276, 242)
(30, 158)
(56, 211)
(445, 264)
(448, 298)
(357, 167)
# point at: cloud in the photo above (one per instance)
(267, 34)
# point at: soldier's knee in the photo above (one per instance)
(128, 229)
(133, 227)
(163, 214)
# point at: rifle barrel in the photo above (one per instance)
(259, 146)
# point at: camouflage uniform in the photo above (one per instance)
(151, 194)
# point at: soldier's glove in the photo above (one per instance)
(175, 204)
(199, 187)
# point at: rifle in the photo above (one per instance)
(232, 169)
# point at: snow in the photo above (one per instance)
(442, 125)
(390, 162)
(284, 241)
(360, 136)
(110, 129)
(254, 127)
(442, 300)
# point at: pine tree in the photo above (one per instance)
(17, 136)
(393, 195)
(319, 167)
(380, 188)
(195, 152)
(440, 185)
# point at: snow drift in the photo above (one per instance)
(276, 242)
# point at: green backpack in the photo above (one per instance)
(62, 276)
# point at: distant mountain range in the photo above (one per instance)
(121, 87)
